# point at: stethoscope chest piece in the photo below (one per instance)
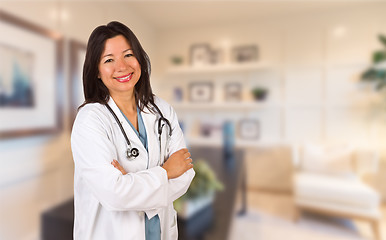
(132, 153)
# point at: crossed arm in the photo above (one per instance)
(177, 164)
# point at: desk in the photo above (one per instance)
(214, 222)
(57, 223)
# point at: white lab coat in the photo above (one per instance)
(109, 205)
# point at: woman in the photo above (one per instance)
(120, 195)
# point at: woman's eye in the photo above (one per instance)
(108, 60)
(129, 55)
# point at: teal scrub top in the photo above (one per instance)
(152, 226)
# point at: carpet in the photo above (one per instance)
(257, 225)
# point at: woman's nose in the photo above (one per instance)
(120, 65)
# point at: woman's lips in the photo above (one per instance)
(125, 78)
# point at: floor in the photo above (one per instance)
(270, 217)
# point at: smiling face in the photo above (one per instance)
(118, 68)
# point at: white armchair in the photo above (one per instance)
(328, 181)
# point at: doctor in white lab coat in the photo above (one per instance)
(116, 197)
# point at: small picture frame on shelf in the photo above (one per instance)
(217, 56)
(233, 92)
(210, 128)
(249, 129)
(200, 54)
(246, 53)
(201, 92)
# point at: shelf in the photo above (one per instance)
(303, 105)
(221, 68)
(326, 65)
(249, 105)
(217, 142)
(223, 106)
(202, 141)
(326, 105)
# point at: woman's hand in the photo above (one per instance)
(178, 163)
(118, 166)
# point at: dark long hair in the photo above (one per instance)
(94, 89)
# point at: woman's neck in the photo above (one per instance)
(125, 102)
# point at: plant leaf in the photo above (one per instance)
(369, 75)
(381, 83)
(380, 74)
(379, 56)
(382, 39)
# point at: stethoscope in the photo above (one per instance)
(132, 152)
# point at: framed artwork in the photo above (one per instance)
(233, 92)
(31, 79)
(201, 92)
(249, 129)
(217, 56)
(77, 56)
(200, 54)
(247, 53)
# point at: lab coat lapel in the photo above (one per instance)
(149, 119)
(133, 137)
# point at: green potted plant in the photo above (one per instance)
(201, 191)
(176, 60)
(376, 73)
(259, 93)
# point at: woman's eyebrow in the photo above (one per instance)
(110, 54)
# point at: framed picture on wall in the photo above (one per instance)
(200, 54)
(201, 92)
(77, 55)
(242, 54)
(249, 129)
(31, 80)
(233, 92)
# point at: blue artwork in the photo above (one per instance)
(228, 140)
(16, 88)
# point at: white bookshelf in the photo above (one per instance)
(220, 75)
(217, 142)
(238, 106)
(219, 68)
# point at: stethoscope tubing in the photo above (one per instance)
(162, 118)
(119, 124)
(134, 152)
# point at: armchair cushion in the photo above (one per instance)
(349, 192)
(331, 160)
